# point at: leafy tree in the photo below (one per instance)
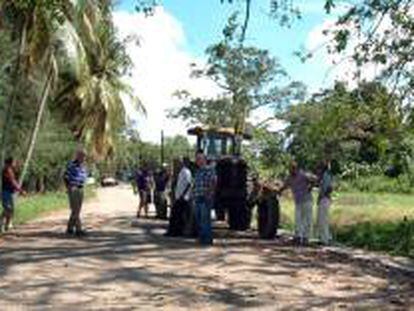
(266, 153)
(211, 112)
(132, 152)
(364, 126)
(92, 100)
(177, 146)
(82, 85)
(249, 79)
(86, 84)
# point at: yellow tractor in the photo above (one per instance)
(222, 148)
(236, 193)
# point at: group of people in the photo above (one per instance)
(191, 200)
(189, 189)
(194, 190)
(152, 188)
(301, 184)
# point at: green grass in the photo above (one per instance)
(373, 221)
(34, 206)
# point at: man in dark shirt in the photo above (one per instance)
(75, 177)
(10, 186)
(161, 180)
(143, 180)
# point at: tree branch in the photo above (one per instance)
(246, 21)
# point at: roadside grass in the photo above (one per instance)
(34, 206)
(381, 222)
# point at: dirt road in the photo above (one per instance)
(120, 266)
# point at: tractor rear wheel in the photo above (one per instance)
(268, 217)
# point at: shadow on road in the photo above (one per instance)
(122, 264)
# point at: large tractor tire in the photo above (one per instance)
(232, 192)
(219, 209)
(238, 215)
(268, 216)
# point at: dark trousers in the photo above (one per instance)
(177, 224)
(203, 217)
(160, 201)
(75, 203)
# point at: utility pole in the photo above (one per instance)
(162, 147)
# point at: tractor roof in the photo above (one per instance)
(221, 131)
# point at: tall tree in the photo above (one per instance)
(92, 100)
(33, 25)
(78, 41)
(249, 78)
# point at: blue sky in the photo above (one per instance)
(178, 35)
(203, 21)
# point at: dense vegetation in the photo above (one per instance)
(62, 84)
(380, 222)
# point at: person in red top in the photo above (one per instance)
(10, 186)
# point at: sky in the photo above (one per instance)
(180, 31)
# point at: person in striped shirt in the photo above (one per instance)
(75, 177)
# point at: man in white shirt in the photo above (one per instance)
(184, 182)
(181, 207)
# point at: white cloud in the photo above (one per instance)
(161, 66)
(338, 67)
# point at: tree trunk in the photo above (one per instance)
(10, 108)
(45, 96)
(246, 21)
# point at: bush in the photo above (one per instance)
(396, 238)
(378, 184)
(353, 171)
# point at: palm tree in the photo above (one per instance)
(86, 82)
(93, 102)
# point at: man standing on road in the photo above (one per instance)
(10, 186)
(204, 187)
(161, 180)
(301, 184)
(75, 177)
(324, 203)
(143, 180)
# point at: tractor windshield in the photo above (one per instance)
(214, 146)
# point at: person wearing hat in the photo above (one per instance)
(75, 177)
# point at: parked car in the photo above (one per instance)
(108, 181)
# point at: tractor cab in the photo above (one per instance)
(234, 195)
(217, 143)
